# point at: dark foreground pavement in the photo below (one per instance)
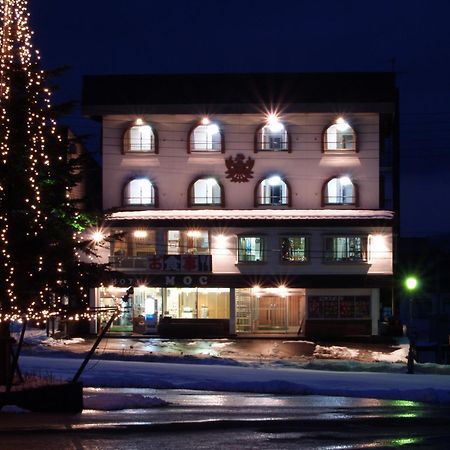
(199, 419)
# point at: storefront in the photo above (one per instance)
(270, 310)
(192, 311)
(142, 311)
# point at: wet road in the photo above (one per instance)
(201, 420)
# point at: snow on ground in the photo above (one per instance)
(397, 356)
(335, 352)
(256, 378)
(50, 342)
(266, 366)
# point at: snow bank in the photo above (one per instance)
(335, 352)
(50, 342)
(100, 373)
(114, 402)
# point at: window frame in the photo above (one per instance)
(263, 252)
(258, 198)
(190, 146)
(347, 259)
(126, 141)
(126, 202)
(183, 242)
(335, 151)
(325, 197)
(284, 236)
(191, 196)
(132, 243)
(259, 141)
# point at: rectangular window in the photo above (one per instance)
(251, 249)
(197, 303)
(139, 243)
(293, 249)
(187, 241)
(345, 248)
(339, 307)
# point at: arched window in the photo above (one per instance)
(140, 138)
(272, 191)
(205, 191)
(339, 136)
(206, 137)
(339, 191)
(140, 191)
(272, 137)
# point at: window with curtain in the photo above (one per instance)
(340, 191)
(293, 249)
(272, 191)
(273, 138)
(251, 249)
(206, 191)
(140, 138)
(139, 191)
(187, 241)
(345, 248)
(340, 137)
(206, 138)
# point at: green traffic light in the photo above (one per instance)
(411, 283)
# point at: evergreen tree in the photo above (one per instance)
(40, 226)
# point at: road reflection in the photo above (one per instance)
(203, 419)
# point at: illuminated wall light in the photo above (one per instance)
(274, 124)
(221, 241)
(283, 290)
(377, 246)
(97, 236)
(342, 124)
(139, 121)
(256, 290)
(140, 234)
(205, 121)
(274, 181)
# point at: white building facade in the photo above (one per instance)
(248, 204)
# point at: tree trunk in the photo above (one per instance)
(5, 353)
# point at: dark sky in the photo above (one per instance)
(146, 36)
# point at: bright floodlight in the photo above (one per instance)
(205, 121)
(342, 124)
(98, 236)
(274, 123)
(411, 283)
(139, 121)
(274, 181)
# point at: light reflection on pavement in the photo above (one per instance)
(202, 419)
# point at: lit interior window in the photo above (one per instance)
(206, 137)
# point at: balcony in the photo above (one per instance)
(186, 263)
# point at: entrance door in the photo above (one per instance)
(272, 313)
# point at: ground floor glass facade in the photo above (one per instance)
(146, 305)
(248, 310)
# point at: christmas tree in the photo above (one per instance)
(40, 227)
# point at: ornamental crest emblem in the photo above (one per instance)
(238, 169)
